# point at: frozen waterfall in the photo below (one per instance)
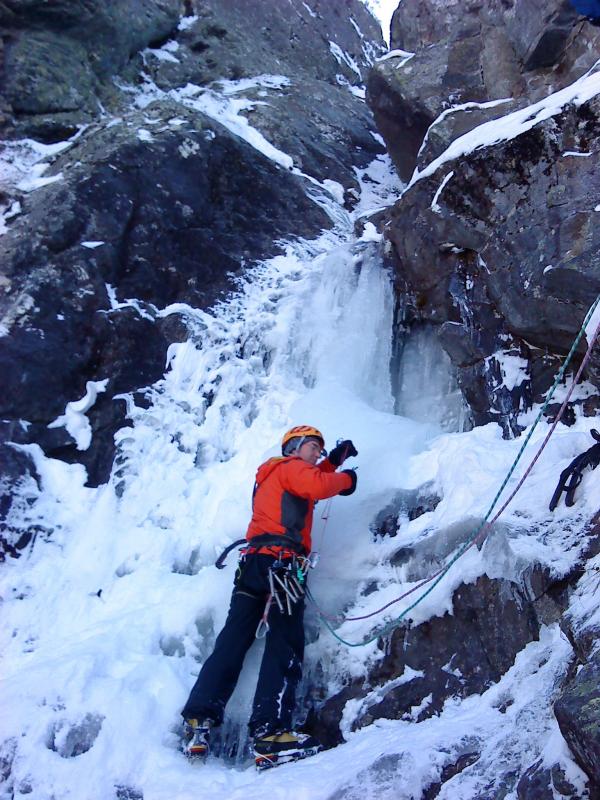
(127, 577)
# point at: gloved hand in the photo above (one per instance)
(354, 477)
(341, 452)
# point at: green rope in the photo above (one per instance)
(385, 629)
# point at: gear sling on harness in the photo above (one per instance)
(286, 583)
(286, 577)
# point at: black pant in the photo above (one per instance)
(281, 667)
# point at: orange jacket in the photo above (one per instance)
(285, 493)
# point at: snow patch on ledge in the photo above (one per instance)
(8, 211)
(434, 203)
(225, 107)
(403, 54)
(514, 124)
(342, 57)
(23, 162)
(514, 369)
(35, 181)
(370, 234)
(187, 22)
(471, 106)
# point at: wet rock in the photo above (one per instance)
(160, 205)
(317, 117)
(407, 505)
(451, 656)
(296, 36)
(328, 123)
(461, 60)
(172, 228)
(58, 54)
(545, 783)
(471, 259)
(578, 713)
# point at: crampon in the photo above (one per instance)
(197, 735)
(279, 749)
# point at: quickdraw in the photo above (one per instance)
(287, 586)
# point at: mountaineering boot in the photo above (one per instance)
(279, 748)
(197, 735)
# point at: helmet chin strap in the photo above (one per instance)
(300, 443)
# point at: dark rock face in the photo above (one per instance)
(57, 55)
(578, 713)
(502, 257)
(479, 267)
(323, 50)
(454, 656)
(471, 53)
(174, 216)
(159, 203)
(545, 783)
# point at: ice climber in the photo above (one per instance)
(268, 596)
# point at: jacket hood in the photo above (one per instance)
(263, 472)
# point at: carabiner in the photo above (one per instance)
(262, 629)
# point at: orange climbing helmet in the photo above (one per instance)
(301, 432)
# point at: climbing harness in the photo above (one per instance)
(480, 532)
(287, 575)
(258, 542)
(571, 477)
